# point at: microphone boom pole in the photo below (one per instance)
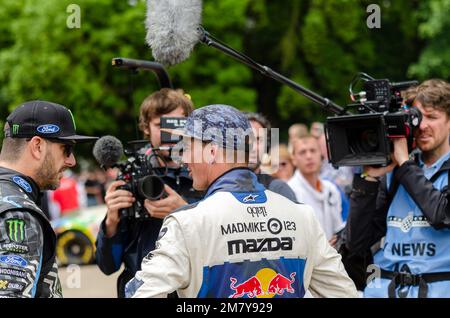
(327, 104)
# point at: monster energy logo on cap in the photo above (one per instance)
(16, 230)
(15, 129)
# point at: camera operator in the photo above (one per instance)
(129, 240)
(406, 206)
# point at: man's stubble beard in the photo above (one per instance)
(47, 175)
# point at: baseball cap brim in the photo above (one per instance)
(77, 138)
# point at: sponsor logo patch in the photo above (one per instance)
(16, 230)
(21, 182)
(268, 244)
(4, 284)
(14, 248)
(15, 129)
(273, 225)
(48, 129)
(13, 260)
(13, 272)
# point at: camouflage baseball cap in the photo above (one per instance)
(222, 124)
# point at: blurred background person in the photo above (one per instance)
(342, 177)
(95, 187)
(261, 130)
(69, 196)
(296, 131)
(285, 168)
(317, 129)
(310, 189)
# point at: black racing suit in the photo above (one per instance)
(27, 241)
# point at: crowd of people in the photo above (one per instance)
(291, 225)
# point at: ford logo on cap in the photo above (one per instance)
(48, 129)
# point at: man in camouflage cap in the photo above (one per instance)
(241, 240)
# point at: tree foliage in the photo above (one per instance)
(320, 44)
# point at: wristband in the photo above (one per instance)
(367, 177)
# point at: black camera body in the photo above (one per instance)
(141, 179)
(364, 138)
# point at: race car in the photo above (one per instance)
(76, 234)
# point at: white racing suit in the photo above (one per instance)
(242, 241)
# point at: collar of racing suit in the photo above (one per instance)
(34, 193)
(236, 180)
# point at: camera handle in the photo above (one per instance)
(157, 68)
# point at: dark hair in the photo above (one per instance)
(259, 118)
(163, 102)
(264, 122)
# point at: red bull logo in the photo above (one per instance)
(279, 284)
(251, 287)
(265, 284)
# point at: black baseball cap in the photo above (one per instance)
(45, 119)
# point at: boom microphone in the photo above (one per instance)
(107, 151)
(172, 29)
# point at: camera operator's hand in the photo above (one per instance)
(400, 154)
(161, 208)
(116, 200)
(374, 173)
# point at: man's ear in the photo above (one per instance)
(147, 131)
(213, 153)
(37, 147)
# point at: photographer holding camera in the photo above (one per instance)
(128, 240)
(401, 212)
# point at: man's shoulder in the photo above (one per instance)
(283, 188)
(14, 199)
(185, 208)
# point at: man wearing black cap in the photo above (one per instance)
(241, 240)
(37, 148)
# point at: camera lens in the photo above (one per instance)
(363, 141)
(151, 187)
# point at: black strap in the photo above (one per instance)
(392, 189)
(408, 279)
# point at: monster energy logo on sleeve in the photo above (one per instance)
(15, 129)
(16, 230)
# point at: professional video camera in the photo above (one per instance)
(352, 139)
(364, 138)
(143, 174)
(141, 179)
